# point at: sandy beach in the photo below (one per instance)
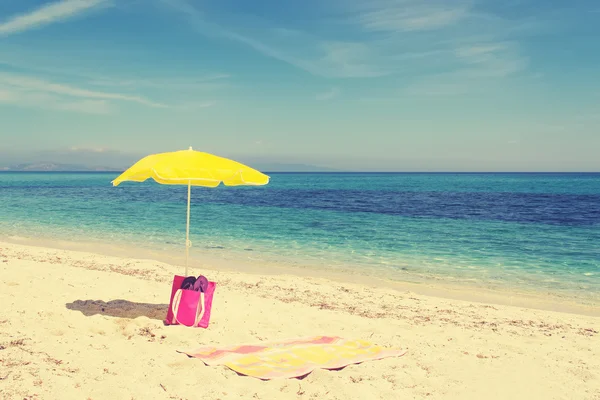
(77, 325)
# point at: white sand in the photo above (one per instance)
(78, 325)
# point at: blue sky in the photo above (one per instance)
(372, 85)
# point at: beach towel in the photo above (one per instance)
(292, 358)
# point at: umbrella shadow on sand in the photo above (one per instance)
(119, 309)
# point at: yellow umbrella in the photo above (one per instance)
(191, 168)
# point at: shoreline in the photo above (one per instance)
(541, 300)
(77, 325)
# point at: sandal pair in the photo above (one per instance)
(199, 284)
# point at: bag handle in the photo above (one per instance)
(200, 309)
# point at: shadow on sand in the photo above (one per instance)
(119, 309)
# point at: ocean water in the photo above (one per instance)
(527, 231)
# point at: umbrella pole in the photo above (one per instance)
(187, 229)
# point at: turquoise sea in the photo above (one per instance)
(527, 231)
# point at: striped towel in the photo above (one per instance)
(292, 358)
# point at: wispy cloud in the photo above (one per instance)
(477, 65)
(35, 84)
(93, 149)
(44, 63)
(328, 95)
(24, 90)
(329, 58)
(326, 58)
(395, 16)
(208, 81)
(492, 59)
(52, 102)
(48, 14)
(379, 38)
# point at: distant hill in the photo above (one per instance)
(58, 167)
(49, 167)
(276, 167)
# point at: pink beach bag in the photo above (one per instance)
(189, 307)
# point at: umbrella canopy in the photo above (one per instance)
(191, 168)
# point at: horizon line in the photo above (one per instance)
(325, 172)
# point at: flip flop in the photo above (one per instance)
(201, 284)
(188, 283)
